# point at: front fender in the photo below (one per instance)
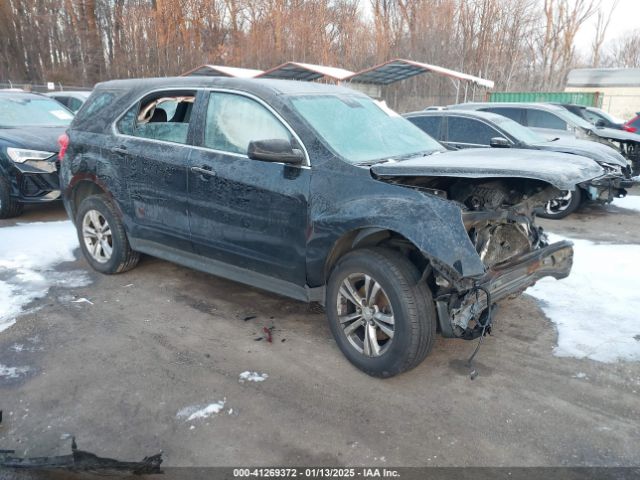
(432, 224)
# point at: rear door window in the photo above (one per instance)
(162, 116)
(471, 131)
(429, 124)
(541, 119)
(233, 121)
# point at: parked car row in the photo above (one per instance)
(555, 121)
(465, 128)
(315, 192)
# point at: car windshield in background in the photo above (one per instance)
(519, 132)
(573, 119)
(361, 131)
(605, 115)
(23, 111)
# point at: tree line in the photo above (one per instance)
(520, 44)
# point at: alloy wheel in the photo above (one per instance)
(559, 204)
(97, 236)
(365, 314)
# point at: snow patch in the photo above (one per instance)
(630, 202)
(82, 300)
(595, 308)
(252, 377)
(28, 254)
(12, 372)
(4, 324)
(198, 412)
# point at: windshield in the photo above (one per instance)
(24, 111)
(517, 131)
(601, 113)
(573, 119)
(360, 130)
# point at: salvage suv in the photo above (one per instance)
(318, 193)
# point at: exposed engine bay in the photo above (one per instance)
(499, 217)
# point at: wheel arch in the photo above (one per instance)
(373, 236)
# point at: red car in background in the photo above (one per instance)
(633, 125)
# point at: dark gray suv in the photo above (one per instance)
(318, 193)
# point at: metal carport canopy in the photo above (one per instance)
(401, 69)
(306, 72)
(222, 71)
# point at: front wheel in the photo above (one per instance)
(102, 237)
(562, 206)
(380, 313)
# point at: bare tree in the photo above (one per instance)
(603, 20)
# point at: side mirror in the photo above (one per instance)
(600, 123)
(500, 142)
(275, 150)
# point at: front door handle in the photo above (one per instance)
(120, 149)
(204, 171)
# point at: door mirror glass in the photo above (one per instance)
(600, 123)
(275, 150)
(500, 142)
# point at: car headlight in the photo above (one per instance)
(21, 155)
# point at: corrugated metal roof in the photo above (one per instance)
(401, 69)
(222, 71)
(604, 77)
(305, 71)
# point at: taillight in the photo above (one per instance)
(629, 128)
(63, 143)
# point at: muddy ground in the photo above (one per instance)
(160, 338)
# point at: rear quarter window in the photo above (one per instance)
(513, 113)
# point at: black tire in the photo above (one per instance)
(9, 206)
(122, 257)
(411, 303)
(572, 206)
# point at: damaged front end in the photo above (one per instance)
(498, 206)
(498, 217)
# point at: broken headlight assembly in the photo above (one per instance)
(21, 155)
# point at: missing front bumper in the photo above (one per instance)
(456, 311)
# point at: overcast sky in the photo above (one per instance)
(626, 17)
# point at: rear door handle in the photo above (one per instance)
(204, 171)
(120, 149)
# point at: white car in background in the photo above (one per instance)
(73, 100)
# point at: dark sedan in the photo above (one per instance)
(459, 129)
(30, 125)
(595, 116)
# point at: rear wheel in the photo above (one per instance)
(9, 206)
(102, 237)
(562, 206)
(380, 313)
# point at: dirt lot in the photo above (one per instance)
(160, 338)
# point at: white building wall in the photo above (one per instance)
(623, 102)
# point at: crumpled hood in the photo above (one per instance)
(613, 134)
(561, 170)
(599, 152)
(33, 138)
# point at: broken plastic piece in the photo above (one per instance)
(82, 461)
